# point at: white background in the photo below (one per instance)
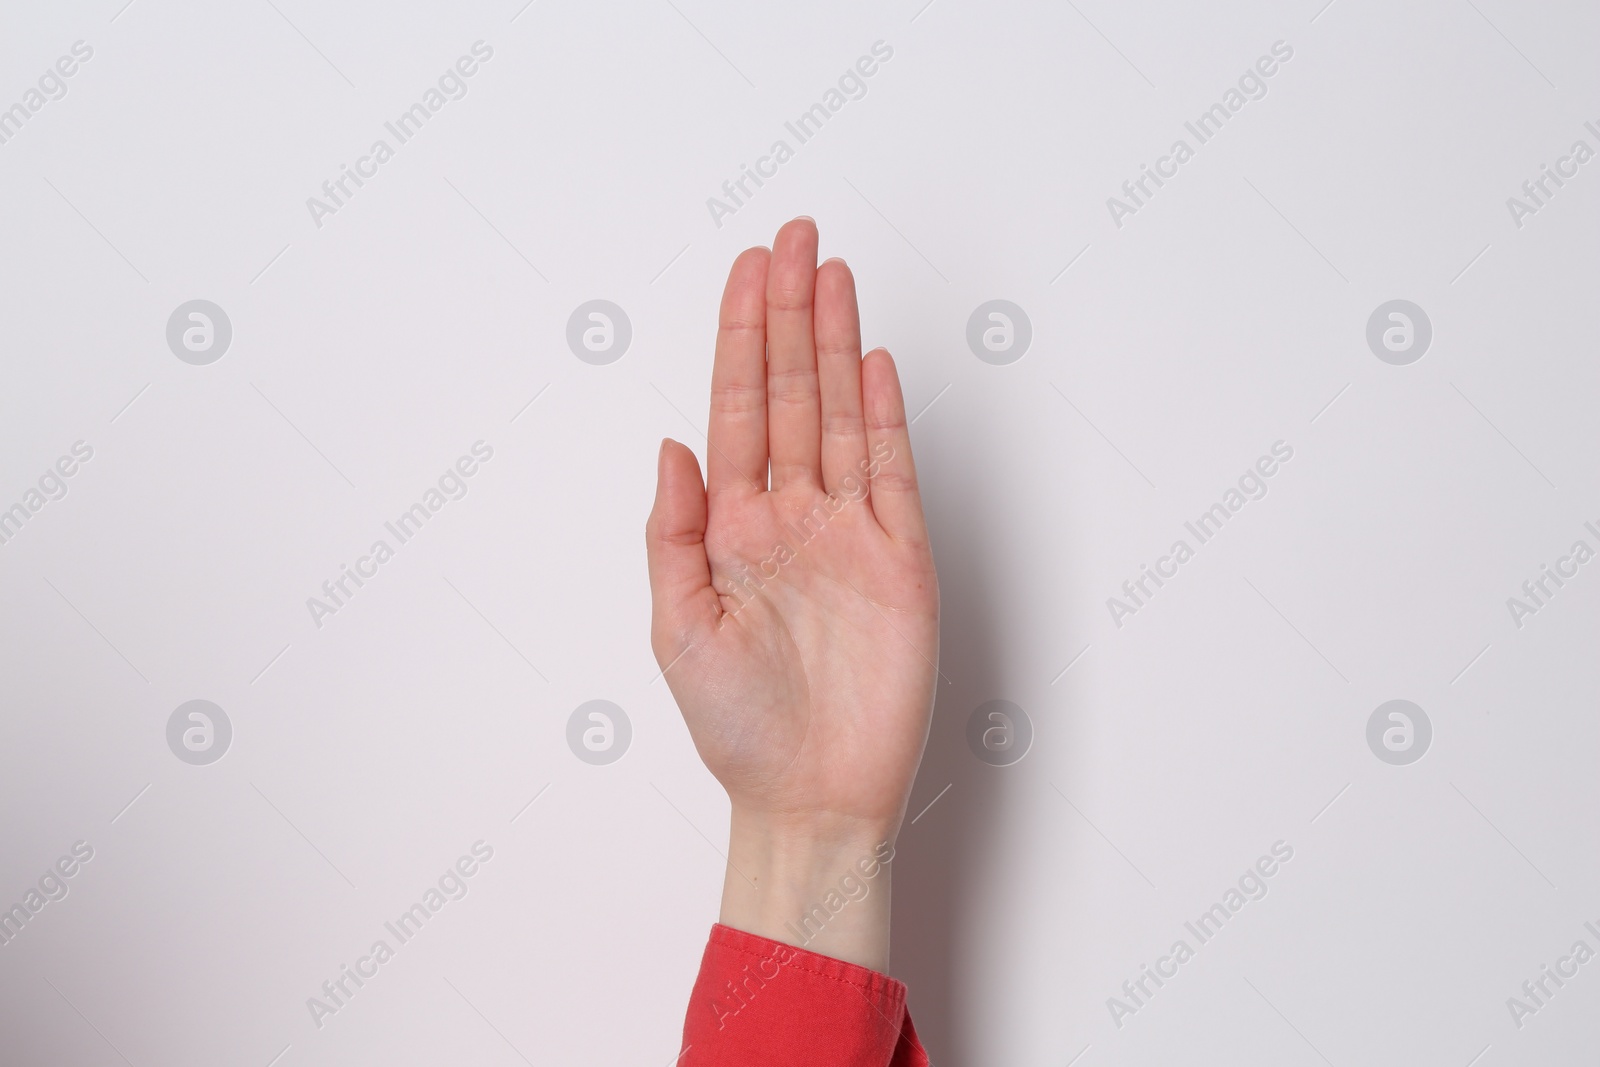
(369, 353)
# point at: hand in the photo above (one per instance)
(798, 624)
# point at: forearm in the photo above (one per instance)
(817, 883)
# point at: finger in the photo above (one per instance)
(737, 436)
(681, 597)
(895, 499)
(794, 426)
(838, 329)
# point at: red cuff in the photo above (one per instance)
(758, 1001)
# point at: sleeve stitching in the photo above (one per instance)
(893, 995)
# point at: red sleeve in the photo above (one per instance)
(763, 1002)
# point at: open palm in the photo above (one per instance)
(797, 623)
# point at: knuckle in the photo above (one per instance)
(734, 398)
(741, 320)
(894, 481)
(790, 291)
(842, 424)
(794, 385)
(839, 347)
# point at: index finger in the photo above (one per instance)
(736, 458)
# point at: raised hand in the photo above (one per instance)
(797, 620)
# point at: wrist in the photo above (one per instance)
(816, 882)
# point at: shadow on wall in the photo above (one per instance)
(944, 862)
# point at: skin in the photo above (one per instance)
(806, 677)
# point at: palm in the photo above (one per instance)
(798, 625)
